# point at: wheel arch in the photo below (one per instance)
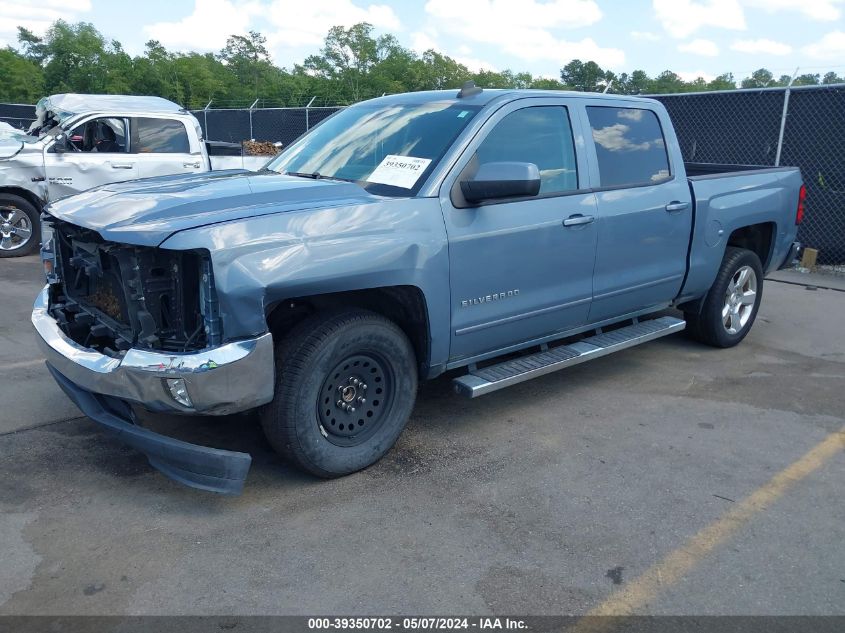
(405, 305)
(26, 194)
(757, 238)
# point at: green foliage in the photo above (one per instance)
(353, 64)
(586, 77)
(22, 79)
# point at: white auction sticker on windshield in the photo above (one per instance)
(399, 171)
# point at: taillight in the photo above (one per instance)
(802, 196)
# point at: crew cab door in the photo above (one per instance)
(163, 146)
(95, 153)
(520, 269)
(644, 209)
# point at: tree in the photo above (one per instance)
(806, 80)
(75, 55)
(586, 77)
(22, 79)
(248, 59)
(347, 57)
(353, 64)
(667, 82)
(546, 83)
(638, 82)
(723, 82)
(32, 46)
(760, 78)
(438, 72)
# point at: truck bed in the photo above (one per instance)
(729, 197)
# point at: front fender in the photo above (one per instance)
(24, 171)
(260, 261)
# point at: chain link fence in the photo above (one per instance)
(17, 115)
(797, 127)
(282, 125)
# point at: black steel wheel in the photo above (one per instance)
(355, 399)
(345, 386)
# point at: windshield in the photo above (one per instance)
(387, 149)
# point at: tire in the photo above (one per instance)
(731, 304)
(326, 366)
(18, 215)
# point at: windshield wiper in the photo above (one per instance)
(300, 174)
(316, 176)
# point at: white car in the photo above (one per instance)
(82, 141)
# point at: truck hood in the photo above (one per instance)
(147, 212)
(9, 147)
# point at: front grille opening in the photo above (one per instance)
(114, 296)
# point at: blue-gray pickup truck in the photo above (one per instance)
(501, 234)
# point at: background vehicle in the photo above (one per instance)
(511, 233)
(82, 141)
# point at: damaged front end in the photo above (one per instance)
(113, 297)
(122, 324)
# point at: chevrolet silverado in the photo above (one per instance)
(503, 234)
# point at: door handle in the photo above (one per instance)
(189, 165)
(673, 207)
(122, 165)
(578, 219)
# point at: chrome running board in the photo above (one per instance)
(510, 372)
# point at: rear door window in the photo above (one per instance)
(629, 146)
(161, 136)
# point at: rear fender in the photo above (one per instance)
(754, 198)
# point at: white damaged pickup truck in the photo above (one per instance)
(82, 141)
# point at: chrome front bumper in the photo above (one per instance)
(227, 379)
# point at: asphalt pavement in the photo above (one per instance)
(666, 479)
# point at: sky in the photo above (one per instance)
(691, 37)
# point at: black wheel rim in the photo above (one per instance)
(355, 399)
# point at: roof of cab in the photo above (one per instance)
(64, 105)
(487, 95)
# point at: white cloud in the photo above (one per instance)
(207, 28)
(614, 138)
(37, 16)
(305, 23)
(761, 46)
(831, 46)
(422, 41)
(813, 9)
(502, 15)
(645, 36)
(287, 24)
(705, 48)
(524, 28)
(473, 63)
(692, 75)
(681, 18)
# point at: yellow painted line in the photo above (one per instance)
(643, 590)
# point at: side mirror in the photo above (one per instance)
(61, 145)
(502, 180)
